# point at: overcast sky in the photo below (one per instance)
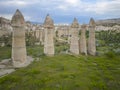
(62, 11)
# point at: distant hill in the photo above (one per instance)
(109, 22)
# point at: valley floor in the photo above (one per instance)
(65, 72)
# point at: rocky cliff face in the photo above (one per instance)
(4, 20)
(109, 22)
(5, 26)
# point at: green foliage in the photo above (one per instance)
(110, 37)
(35, 51)
(6, 39)
(61, 47)
(30, 39)
(87, 33)
(110, 54)
(107, 41)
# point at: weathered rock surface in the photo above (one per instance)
(5, 26)
(83, 46)
(108, 22)
(49, 34)
(74, 44)
(18, 39)
(91, 39)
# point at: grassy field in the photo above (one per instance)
(65, 72)
(5, 52)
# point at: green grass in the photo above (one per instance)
(5, 52)
(63, 72)
(66, 72)
(61, 49)
(35, 51)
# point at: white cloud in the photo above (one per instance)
(8, 16)
(72, 2)
(69, 4)
(98, 7)
(18, 3)
(110, 8)
(27, 18)
(104, 7)
(62, 7)
(13, 3)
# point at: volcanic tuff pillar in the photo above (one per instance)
(91, 39)
(49, 33)
(18, 39)
(74, 45)
(83, 48)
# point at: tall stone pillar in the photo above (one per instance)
(74, 44)
(91, 39)
(49, 34)
(18, 39)
(83, 48)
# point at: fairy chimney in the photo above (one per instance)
(83, 48)
(74, 44)
(18, 39)
(91, 39)
(49, 33)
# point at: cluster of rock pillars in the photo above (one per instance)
(77, 45)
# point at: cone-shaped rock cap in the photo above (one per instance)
(48, 23)
(18, 19)
(75, 23)
(92, 22)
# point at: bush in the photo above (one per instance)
(6, 39)
(110, 54)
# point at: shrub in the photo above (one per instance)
(110, 54)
